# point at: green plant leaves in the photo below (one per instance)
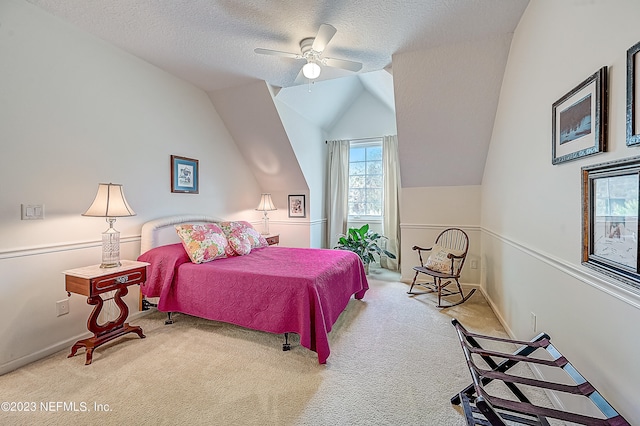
(364, 243)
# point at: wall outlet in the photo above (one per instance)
(534, 320)
(62, 307)
(474, 264)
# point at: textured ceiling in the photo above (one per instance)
(210, 42)
(448, 61)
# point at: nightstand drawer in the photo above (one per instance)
(91, 286)
(273, 239)
(111, 282)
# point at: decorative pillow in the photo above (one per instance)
(255, 238)
(239, 244)
(438, 260)
(202, 242)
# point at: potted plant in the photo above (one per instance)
(364, 243)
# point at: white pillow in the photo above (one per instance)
(439, 262)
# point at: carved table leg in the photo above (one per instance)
(103, 333)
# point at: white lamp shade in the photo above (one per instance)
(266, 204)
(311, 70)
(109, 202)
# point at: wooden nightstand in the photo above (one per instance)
(92, 281)
(272, 240)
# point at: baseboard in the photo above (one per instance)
(57, 347)
(553, 397)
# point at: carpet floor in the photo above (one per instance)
(395, 360)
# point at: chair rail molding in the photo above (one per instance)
(439, 227)
(60, 247)
(584, 274)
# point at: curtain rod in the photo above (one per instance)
(363, 139)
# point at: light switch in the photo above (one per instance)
(32, 211)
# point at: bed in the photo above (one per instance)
(273, 289)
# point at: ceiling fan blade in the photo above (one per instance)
(343, 63)
(324, 36)
(277, 53)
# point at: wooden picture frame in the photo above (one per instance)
(610, 200)
(184, 175)
(633, 96)
(579, 120)
(297, 207)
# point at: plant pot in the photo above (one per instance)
(366, 268)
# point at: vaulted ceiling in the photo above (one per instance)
(447, 56)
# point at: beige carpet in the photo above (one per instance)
(395, 360)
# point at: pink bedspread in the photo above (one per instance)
(273, 289)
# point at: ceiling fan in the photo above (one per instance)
(311, 49)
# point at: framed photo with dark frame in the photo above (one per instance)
(579, 120)
(184, 175)
(633, 96)
(297, 206)
(610, 199)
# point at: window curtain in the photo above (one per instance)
(391, 207)
(337, 190)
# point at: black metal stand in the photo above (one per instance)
(482, 408)
(286, 346)
(146, 305)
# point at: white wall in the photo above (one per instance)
(425, 212)
(75, 112)
(531, 210)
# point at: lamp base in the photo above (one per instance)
(110, 247)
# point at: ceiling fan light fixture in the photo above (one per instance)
(311, 70)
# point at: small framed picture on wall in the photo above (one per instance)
(579, 120)
(633, 95)
(184, 175)
(297, 206)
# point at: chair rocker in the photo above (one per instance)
(444, 265)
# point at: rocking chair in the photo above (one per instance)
(445, 262)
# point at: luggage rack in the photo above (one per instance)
(482, 408)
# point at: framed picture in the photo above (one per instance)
(184, 175)
(580, 120)
(297, 207)
(610, 199)
(633, 96)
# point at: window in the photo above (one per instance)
(365, 179)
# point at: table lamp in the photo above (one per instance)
(266, 205)
(110, 203)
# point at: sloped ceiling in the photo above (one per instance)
(448, 62)
(324, 101)
(252, 119)
(446, 101)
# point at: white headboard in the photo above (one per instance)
(160, 232)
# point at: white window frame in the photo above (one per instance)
(367, 218)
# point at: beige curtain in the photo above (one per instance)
(337, 188)
(391, 208)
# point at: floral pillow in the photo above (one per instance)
(255, 238)
(239, 244)
(203, 242)
(439, 262)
